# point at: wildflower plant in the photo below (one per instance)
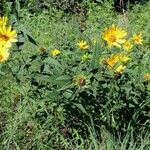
(82, 45)
(7, 37)
(80, 80)
(128, 46)
(86, 57)
(4, 53)
(55, 52)
(137, 38)
(114, 36)
(3, 21)
(83, 81)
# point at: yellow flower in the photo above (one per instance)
(3, 21)
(114, 36)
(86, 57)
(55, 52)
(114, 58)
(127, 46)
(83, 45)
(94, 41)
(7, 36)
(4, 54)
(147, 76)
(138, 38)
(120, 69)
(123, 58)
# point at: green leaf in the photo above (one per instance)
(53, 95)
(66, 86)
(96, 56)
(27, 34)
(131, 106)
(67, 94)
(81, 108)
(64, 83)
(52, 61)
(64, 78)
(46, 78)
(31, 39)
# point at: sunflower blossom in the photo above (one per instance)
(123, 58)
(127, 46)
(83, 45)
(55, 52)
(3, 21)
(137, 38)
(147, 76)
(7, 36)
(4, 53)
(120, 69)
(114, 36)
(114, 58)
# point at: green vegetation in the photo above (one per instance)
(58, 94)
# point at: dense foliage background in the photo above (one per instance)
(63, 102)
